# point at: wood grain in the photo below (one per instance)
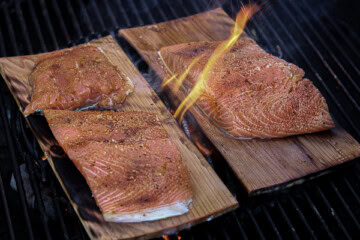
(259, 164)
(211, 197)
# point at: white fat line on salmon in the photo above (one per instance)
(106, 195)
(150, 214)
(167, 67)
(88, 170)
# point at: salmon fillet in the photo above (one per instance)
(250, 93)
(76, 78)
(132, 168)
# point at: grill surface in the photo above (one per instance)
(316, 35)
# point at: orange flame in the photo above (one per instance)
(179, 81)
(245, 13)
(202, 148)
(165, 237)
(43, 158)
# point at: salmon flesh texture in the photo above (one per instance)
(132, 168)
(250, 93)
(75, 79)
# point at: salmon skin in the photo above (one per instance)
(132, 168)
(75, 79)
(250, 93)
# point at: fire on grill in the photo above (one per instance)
(197, 52)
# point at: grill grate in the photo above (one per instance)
(304, 32)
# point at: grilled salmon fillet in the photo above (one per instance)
(132, 168)
(76, 78)
(250, 93)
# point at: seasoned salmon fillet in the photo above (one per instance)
(132, 168)
(75, 79)
(250, 93)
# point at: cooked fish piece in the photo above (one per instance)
(250, 93)
(75, 79)
(132, 168)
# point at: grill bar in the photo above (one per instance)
(148, 13)
(173, 12)
(61, 22)
(287, 220)
(10, 31)
(336, 44)
(36, 187)
(277, 233)
(16, 170)
(316, 211)
(111, 14)
(2, 46)
(38, 197)
(49, 26)
(184, 8)
(341, 32)
(345, 204)
(135, 12)
(253, 220)
(37, 26)
(301, 215)
(161, 12)
(326, 64)
(195, 6)
(334, 213)
(352, 190)
(334, 26)
(123, 13)
(74, 19)
(57, 206)
(97, 14)
(242, 232)
(6, 208)
(86, 17)
(23, 27)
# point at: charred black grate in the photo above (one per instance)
(319, 36)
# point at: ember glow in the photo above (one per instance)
(245, 13)
(201, 147)
(165, 237)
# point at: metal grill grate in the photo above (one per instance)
(307, 33)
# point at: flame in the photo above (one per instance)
(202, 148)
(179, 237)
(165, 83)
(165, 237)
(43, 158)
(179, 81)
(245, 13)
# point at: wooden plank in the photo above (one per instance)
(259, 164)
(211, 197)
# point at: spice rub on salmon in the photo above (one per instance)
(250, 93)
(132, 168)
(75, 79)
